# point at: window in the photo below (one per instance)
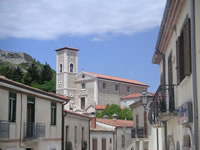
(71, 68)
(66, 133)
(116, 87)
(103, 144)
(83, 76)
(110, 140)
(128, 89)
(75, 135)
(104, 85)
(94, 144)
(30, 109)
(82, 102)
(183, 52)
(12, 107)
(53, 113)
(83, 86)
(123, 140)
(60, 67)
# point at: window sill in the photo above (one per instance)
(184, 81)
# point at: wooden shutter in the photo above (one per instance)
(187, 48)
(94, 144)
(178, 59)
(103, 144)
(137, 124)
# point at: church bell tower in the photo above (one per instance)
(66, 70)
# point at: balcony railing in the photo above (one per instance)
(4, 129)
(68, 146)
(34, 130)
(133, 133)
(163, 107)
(140, 132)
(137, 133)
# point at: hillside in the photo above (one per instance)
(21, 67)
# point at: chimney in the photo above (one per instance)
(114, 116)
(105, 117)
(93, 121)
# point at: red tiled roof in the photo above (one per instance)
(100, 107)
(116, 123)
(117, 79)
(4, 79)
(78, 114)
(70, 48)
(135, 95)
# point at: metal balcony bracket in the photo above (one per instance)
(165, 116)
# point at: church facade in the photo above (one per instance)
(88, 89)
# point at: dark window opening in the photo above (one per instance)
(128, 89)
(104, 85)
(82, 102)
(83, 86)
(71, 68)
(183, 52)
(53, 113)
(12, 107)
(60, 67)
(116, 87)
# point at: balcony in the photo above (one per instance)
(133, 133)
(68, 146)
(4, 129)
(163, 107)
(34, 130)
(138, 133)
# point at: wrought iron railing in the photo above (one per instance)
(68, 146)
(163, 102)
(133, 133)
(34, 130)
(140, 133)
(4, 129)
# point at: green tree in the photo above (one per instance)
(46, 73)
(17, 74)
(115, 109)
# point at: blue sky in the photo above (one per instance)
(114, 37)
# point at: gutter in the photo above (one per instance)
(162, 26)
(194, 76)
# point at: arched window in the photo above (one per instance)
(71, 68)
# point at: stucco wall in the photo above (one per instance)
(71, 121)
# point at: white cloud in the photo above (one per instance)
(49, 19)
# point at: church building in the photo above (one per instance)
(88, 89)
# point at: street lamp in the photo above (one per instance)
(144, 98)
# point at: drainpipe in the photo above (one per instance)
(194, 75)
(89, 133)
(62, 128)
(164, 85)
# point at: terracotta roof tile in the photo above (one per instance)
(70, 48)
(100, 107)
(116, 123)
(117, 79)
(4, 79)
(78, 114)
(135, 95)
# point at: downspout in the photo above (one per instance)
(62, 128)
(157, 139)
(164, 85)
(21, 124)
(89, 132)
(194, 75)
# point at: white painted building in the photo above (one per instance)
(30, 119)
(76, 131)
(176, 102)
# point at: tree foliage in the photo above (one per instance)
(123, 114)
(36, 75)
